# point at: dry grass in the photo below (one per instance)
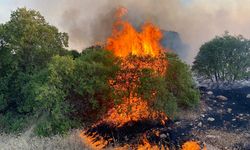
(27, 141)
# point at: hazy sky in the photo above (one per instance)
(88, 21)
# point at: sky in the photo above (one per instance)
(89, 21)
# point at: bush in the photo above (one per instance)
(75, 89)
(180, 83)
(12, 122)
(175, 90)
(49, 126)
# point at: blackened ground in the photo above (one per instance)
(223, 124)
(132, 133)
(231, 114)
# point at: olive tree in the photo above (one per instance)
(224, 59)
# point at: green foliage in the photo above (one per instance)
(53, 126)
(224, 58)
(180, 83)
(12, 122)
(27, 44)
(74, 89)
(174, 90)
(164, 101)
(94, 68)
(32, 39)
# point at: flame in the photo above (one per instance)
(147, 53)
(92, 143)
(133, 107)
(147, 146)
(145, 45)
(125, 40)
(192, 145)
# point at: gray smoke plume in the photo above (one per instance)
(196, 21)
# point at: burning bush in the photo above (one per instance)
(85, 88)
(144, 89)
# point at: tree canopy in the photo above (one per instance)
(224, 59)
(27, 44)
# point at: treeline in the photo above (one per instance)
(224, 59)
(43, 83)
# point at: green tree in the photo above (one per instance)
(32, 39)
(224, 58)
(27, 44)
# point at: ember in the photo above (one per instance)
(132, 122)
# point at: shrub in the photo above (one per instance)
(174, 90)
(75, 89)
(180, 83)
(12, 122)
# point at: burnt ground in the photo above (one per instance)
(221, 124)
(167, 135)
(218, 123)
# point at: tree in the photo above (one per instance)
(224, 59)
(27, 44)
(32, 39)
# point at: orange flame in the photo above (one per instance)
(148, 52)
(192, 145)
(145, 45)
(91, 143)
(133, 107)
(126, 40)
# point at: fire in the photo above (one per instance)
(137, 51)
(125, 40)
(192, 145)
(92, 143)
(133, 107)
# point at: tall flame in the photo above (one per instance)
(126, 40)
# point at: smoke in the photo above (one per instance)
(197, 21)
